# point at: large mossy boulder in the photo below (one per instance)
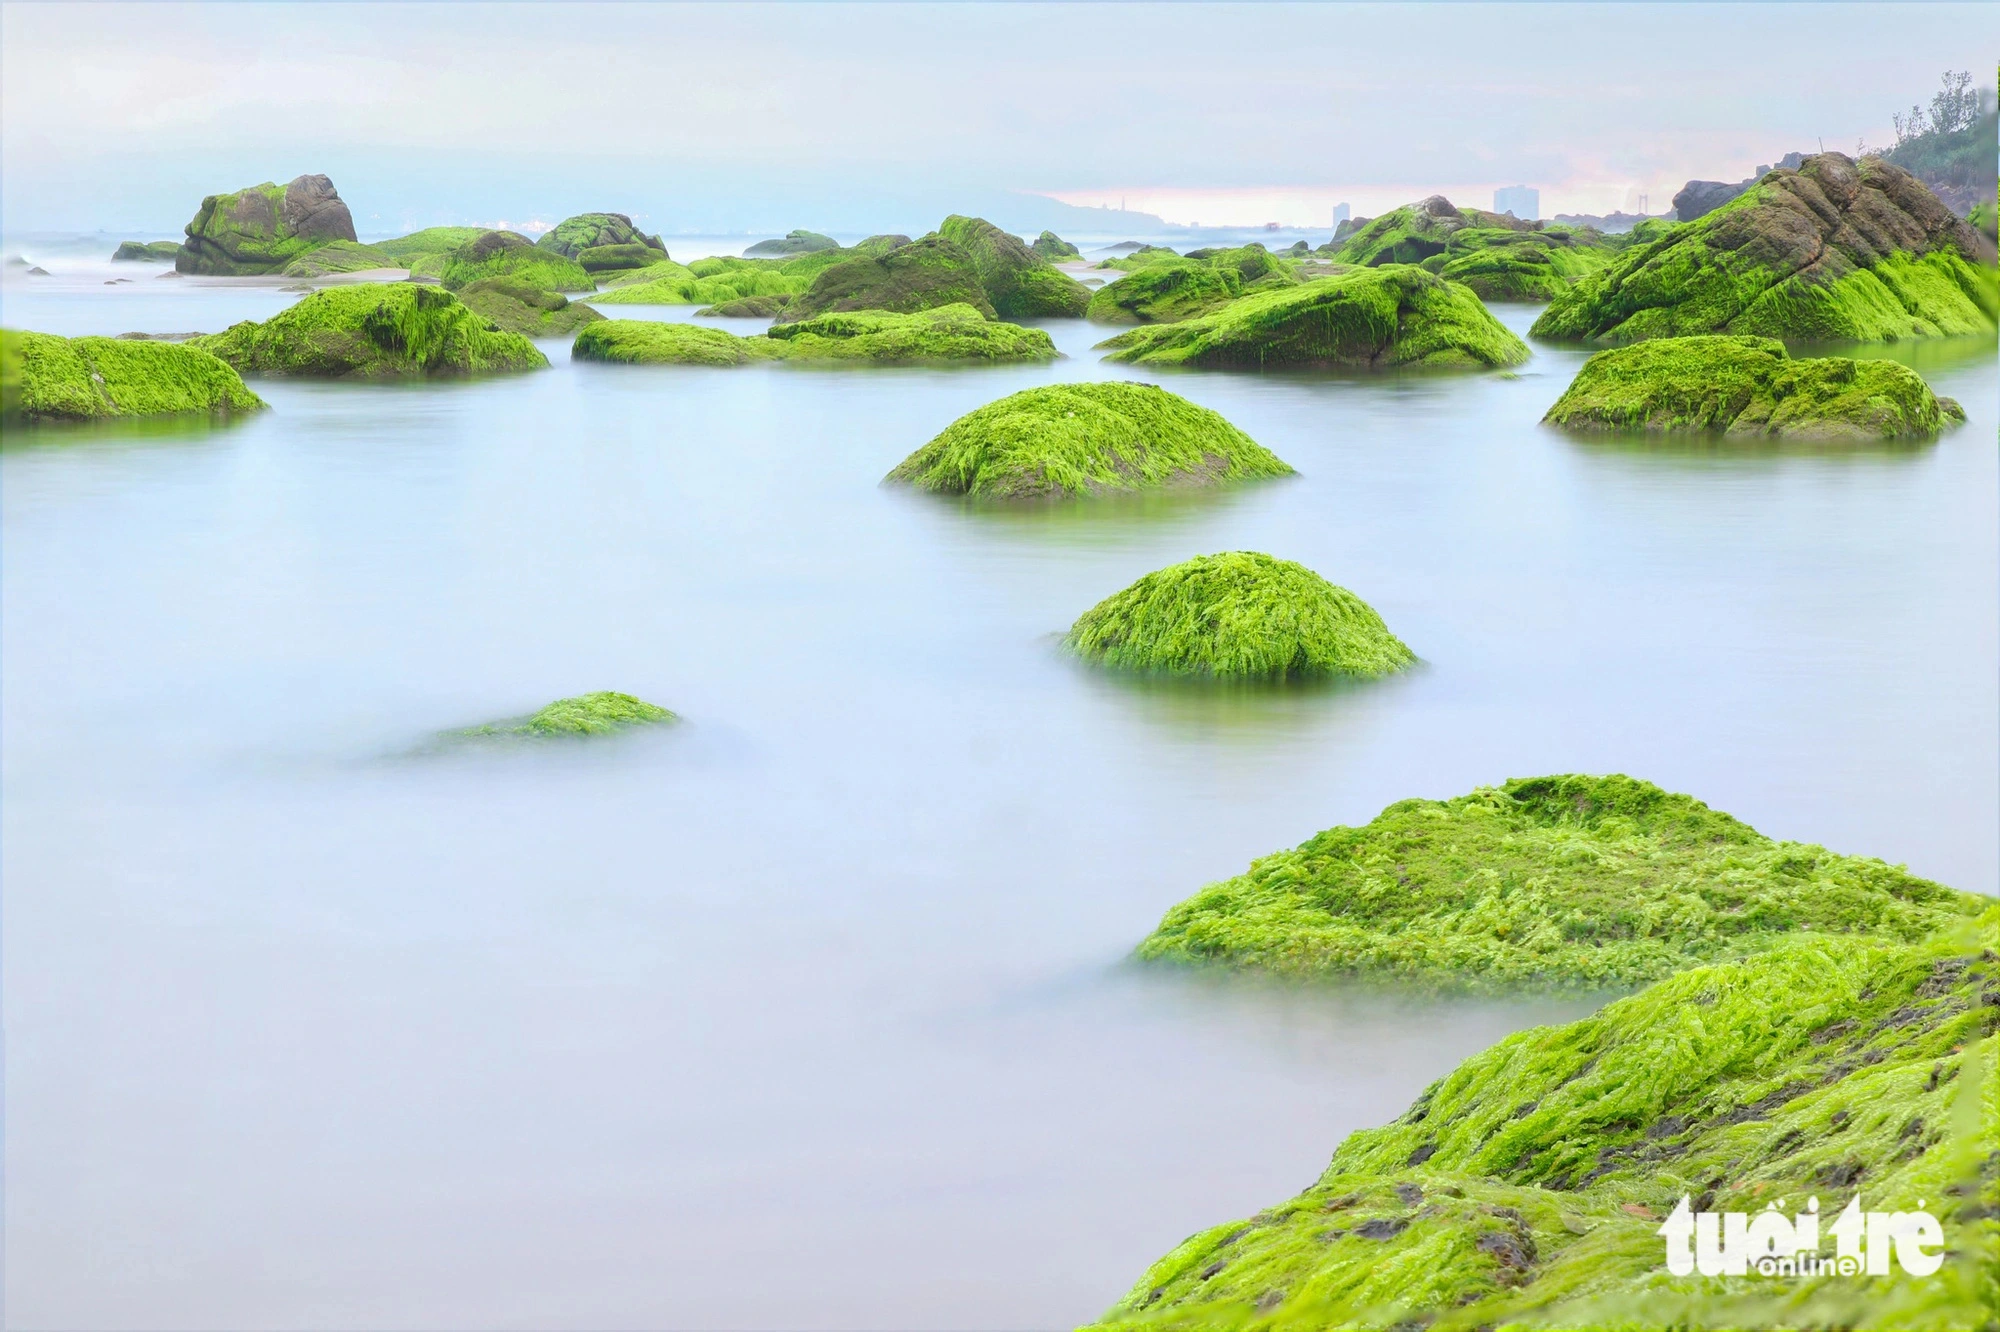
(792, 242)
(406, 250)
(1019, 283)
(1238, 616)
(748, 307)
(1085, 439)
(1397, 315)
(1416, 232)
(1833, 251)
(496, 254)
(514, 306)
(339, 257)
(259, 230)
(374, 330)
(1749, 387)
(603, 242)
(602, 713)
(1529, 1186)
(1054, 248)
(146, 252)
(955, 334)
(48, 378)
(1164, 293)
(1501, 257)
(922, 275)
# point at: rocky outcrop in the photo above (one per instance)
(374, 330)
(146, 252)
(1020, 283)
(48, 378)
(495, 254)
(1698, 198)
(946, 335)
(922, 275)
(603, 242)
(1054, 248)
(792, 242)
(261, 229)
(512, 305)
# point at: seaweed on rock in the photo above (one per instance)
(953, 334)
(573, 236)
(374, 330)
(44, 377)
(1164, 293)
(261, 229)
(493, 254)
(336, 257)
(431, 240)
(147, 252)
(514, 306)
(603, 713)
(792, 242)
(1054, 248)
(922, 275)
(1019, 283)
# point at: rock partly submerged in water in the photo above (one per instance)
(259, 230)
(1162, 287)
(1085, 439)
(953, 334)
(1020, 283)
(146, 252)
(792, 242)
(338, 257)
(603, 242)
(966, 261)
(1749, 387)
(604, 713)
(1054, 248)
(496, 254)
(374, 330)
(749, 307)
(1240, 615)
(515, 306)
(1367, 317)
(44, 377)
(1833, 251)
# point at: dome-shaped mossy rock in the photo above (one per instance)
(748, 307)
(1164, 293)
(336, 257)
(1749, 387)
(261, 229)
(603, 713)
(493, 254)
(1085, 439)
(146, 252)
(374, 330)
(922, 275)
(44, 377)
(1833, 251)
(1020, 283)
(601, 242)
(431, 240)
(1054, 248)
(1377, 318)
(1548, 882)
(952, 335)
(792, 242)
(1238, 616)
(515, 306)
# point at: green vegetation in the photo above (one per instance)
(748, 307)
(1239, 616)
(1375, 317)
(339, 257)
(1085, 439)
(1584, 882)
(1054, 248)
(372, 330)
(147, 252)
(494, 254)
(514, 306)
(877, 246)
(1164, 293)
(1139, 258)
(793, 242)
(261, 229)
(1253, 266)
(1949, 145)
(431, 240)
(602, 241)
(587, 714)
(1749, 387)
(951, 334)
(1831, 251)
(710, 282)
(1501, 257)
(48, 378)
(1019, 283)
(1527, 1187)
(922, 275)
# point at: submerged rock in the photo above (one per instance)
(922, 275)
(1054, 248)
(950, 334)
(48, 378)
(1366, 317)
(514, 306)
(147, 252)
(261, 229)
(793, 242)
(1019, 283)
(1164, 293)
(497, 254)
(1238, 616)
(749, 307)
(337, 257)
(1835, 250)
(603, 241)
(1085, 439)
(373, 330)
(1749, 387)
(603, 713)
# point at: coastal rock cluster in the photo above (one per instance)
(261, 229)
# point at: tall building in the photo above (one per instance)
(1341, 212)
(1523, 201)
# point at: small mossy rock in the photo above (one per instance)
(1366, 317)
(44, 377)
(493, 254)
(336, 257)
(261, 229)
(1833, 251)
(646, 342)
(374, 330)
(792, 242)
(705, 282)
(1085, 439)
(1054, 248)
(1547, 882)
(1140, 257)
(589, 231)
(1253, 266)
(431, 240)
(1742, 386)
(876, 246)
(612, 258)
(955, 334)
(1238, 616)
(604, 713)
(1164, 293)
(749, 307)
(922, 275)
(1019, 283)
(146, 252)
(514, 306)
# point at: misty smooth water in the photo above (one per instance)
(813, 1012)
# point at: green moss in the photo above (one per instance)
(1164, 293)
(339, 257)
(1253, 266)
(706, 282)
(1054, 248)
(922, 275)
(261, 229)
(493, 254)
(876, 246)
(1526, 1188)
(748, 307)
(592, 231)
(1238, 615)
(1556, 881)
(1831, 251)
(48, 378)
(1083, 439)
(587, 714)
(1019, 283)
(793, 242)
(614, 258)
(952, 334)
(1394, 315)
(1747, 387)
(644, 342)
(373, 330)
(431, 240)
(514, 306)
(147, 252)
(1145, 255)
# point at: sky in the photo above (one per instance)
(861, 118)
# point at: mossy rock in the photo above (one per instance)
(1527, 1187)
(1367, 317)
(146, 252)
(336, 257)
(514, 306)
(922, 275)
(1054, 248)
(706, 282)
(1085, 439)
(1164, 293)
(1833, 251)
(261, 229)
(1253, 266)
(1749, 387)
(645, 342)
(612, 258)
(876, 246)
(1019, 283)
(1416, 232)
(591, 231)
(792, 242)
(493, 254)
(431, 240)
(956, 334)
(597, 714)
(1140, 256)
(374, 330)
(1580, 882)
(1512, 265)
(749, 307)
(1238, 616)
(48, 378)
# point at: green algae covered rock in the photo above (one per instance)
(602, 713)
(261, 229)
(1833, 251)
(645, 342)
(1367, 317)
(1238, 616)
(1416, 232)
(749, 307)
(1019, 283)
(953, 334)
(1528, 1187)
(1568, 881)
(1085, 439)
(514, 306)
(1250, 264)
(431, 240)
(1164, 293)
(336, 257)
(1054, 248)
(599, 240)
(48, 378)
(374, 330)
(713, 281)
(1742, 386)
(922, 275)
(493, 254)
(146, 252)
(1509, 265)
(792, 242)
